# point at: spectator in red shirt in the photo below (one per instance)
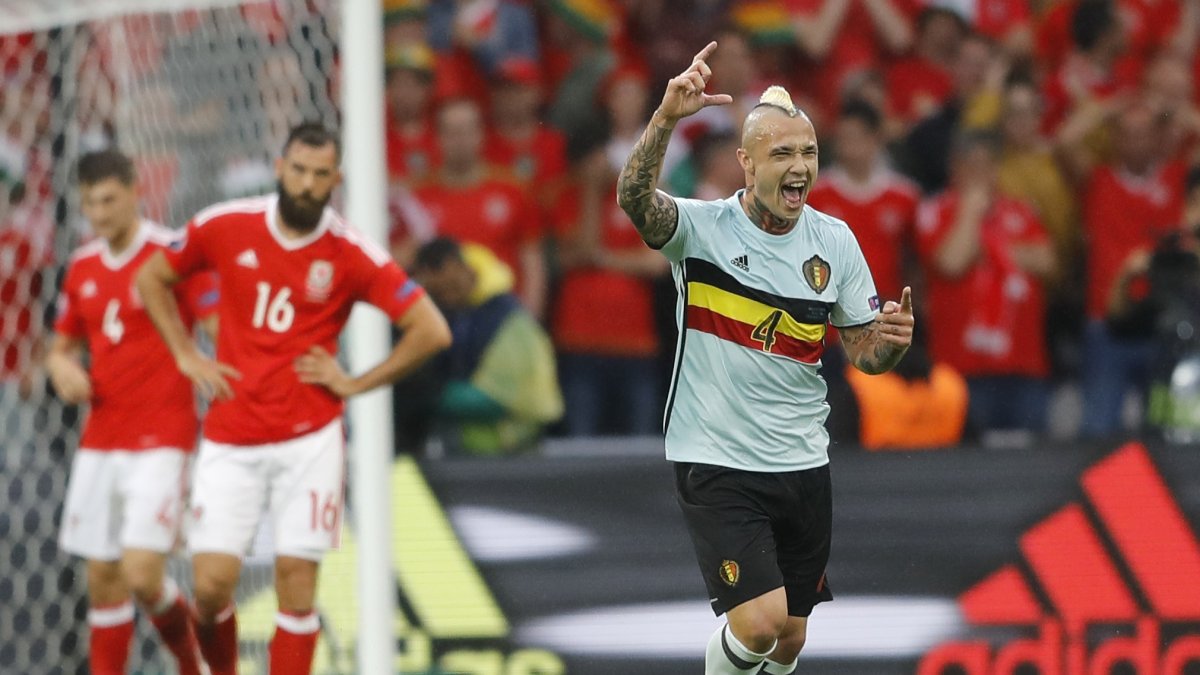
(1168, 87)
(1096, 68)
(1128, 205)
(411, 143)
(985, 258)
(534, 153)
(841, 37)
(920, 83)
(469, 201)
(1150, 25)
(603, 323)
(863, 190)
(926, 148)
(1007, 22)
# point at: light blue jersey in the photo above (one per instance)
(752, 312)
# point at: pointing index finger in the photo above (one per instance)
(703, 54)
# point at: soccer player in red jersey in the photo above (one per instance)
(290, 270)
(126, 491)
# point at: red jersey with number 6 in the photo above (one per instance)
(279, 298)
(138, 400)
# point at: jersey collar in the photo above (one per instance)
(300, 242)
(116, 262)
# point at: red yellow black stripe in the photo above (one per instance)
(720, 305)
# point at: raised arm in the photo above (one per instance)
(653, 211)
(878, 346)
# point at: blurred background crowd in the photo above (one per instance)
(1029, 167)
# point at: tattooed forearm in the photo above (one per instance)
(653, 213)
(868, 351)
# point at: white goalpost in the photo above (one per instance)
(201, 94)
(371, 441)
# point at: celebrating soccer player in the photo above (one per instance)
(290, 270)
(760, 274)
(125, 496)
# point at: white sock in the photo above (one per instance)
(776, 668)
(726, 655)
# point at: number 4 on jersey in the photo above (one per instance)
(111, 325)
(764, 332)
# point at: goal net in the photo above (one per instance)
(201, 94)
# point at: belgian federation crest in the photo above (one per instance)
(816, 273)
(730, 572)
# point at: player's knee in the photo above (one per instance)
(759, 629)
(105, 585)
(789, 646)
(143, 574)
(145, 584)
(214, 591)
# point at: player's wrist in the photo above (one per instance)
(662, 120)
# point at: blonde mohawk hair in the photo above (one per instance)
(778, 97)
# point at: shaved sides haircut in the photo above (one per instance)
(774, 99)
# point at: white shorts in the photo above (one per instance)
(300, 482)
(121, 499)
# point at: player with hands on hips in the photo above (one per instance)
(290, 270)
(126, 491)
(760, 275)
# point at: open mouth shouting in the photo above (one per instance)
(793, 194)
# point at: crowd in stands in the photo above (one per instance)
(1029, 167)
(1021, 163)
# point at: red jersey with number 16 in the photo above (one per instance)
(139, 400)
(279, 298)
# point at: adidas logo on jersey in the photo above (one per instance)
(248, 258)
(742, 261)
(89, 289)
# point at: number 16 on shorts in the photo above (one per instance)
(298, 484)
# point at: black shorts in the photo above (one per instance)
(758, 531)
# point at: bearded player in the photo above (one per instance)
(290, 270)
(126, 490)
(759, 275)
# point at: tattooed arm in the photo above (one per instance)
(878, 346)
(652, 211)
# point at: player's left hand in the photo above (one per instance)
(320, 367)
(895, 322)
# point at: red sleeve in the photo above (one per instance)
(200, 292)
(382, 282)
(68, 322)
(188, 255)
